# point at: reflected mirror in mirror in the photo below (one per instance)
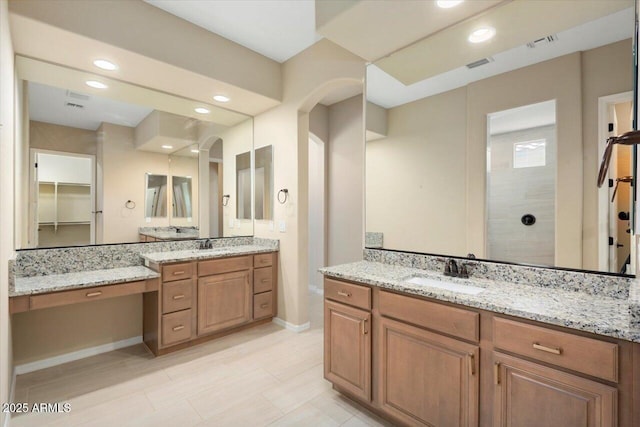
(263, 175)
(123, 132)
(155, 196)
(181, 187)
(494, 148)
(243, 185)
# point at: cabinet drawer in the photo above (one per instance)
(581, 354)
(176, 295)
(177, 271)
(83, 295)
(262, 260)
(224, 265)
(442, 318)
(176, 327)
(262, 280)
(262, 305)
(348, 293)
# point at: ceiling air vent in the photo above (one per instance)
(76, 95)
(73, 105)
(544, 40)
(480, 62)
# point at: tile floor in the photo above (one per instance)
(262, 376)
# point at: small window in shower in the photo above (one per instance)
(529, 154)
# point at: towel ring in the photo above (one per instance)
(130, 204)
(286, 196)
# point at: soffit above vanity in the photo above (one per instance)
(153, 49)
(373, 29)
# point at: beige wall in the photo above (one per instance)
(421, 160)
(7, 144)
(45, 333)
(605, 71)
(345, 166)
(308, 77)
(47, 136)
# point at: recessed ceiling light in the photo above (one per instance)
(195, 150)
(167, 147)
(202, 110)
(482, 34)
(96, 85)
(105, 65)
(221, 98)
(446, 4)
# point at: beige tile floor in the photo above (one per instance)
(262, 376)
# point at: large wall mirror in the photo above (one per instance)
(494, 149)
(110, 162)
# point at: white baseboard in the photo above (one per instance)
(75, 355)
(290, 326)
(316, 290)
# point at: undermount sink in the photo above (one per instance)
(448, 286)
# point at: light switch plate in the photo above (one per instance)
(231, 223)
(147, 219)
(282, 226)
(271, 226)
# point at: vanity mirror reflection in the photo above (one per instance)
(141, 150)
(494, 150)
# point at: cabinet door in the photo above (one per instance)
(426, 379)
(531, 395)
(224, 300)
(347, 348)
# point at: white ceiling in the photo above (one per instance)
(49, 104)
(277, 29)
(386, 91)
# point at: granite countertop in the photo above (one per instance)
(195, 254)
(603, 315)
(85, 279)
(171, 235)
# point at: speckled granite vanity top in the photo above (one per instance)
(77, 280)
(601, 311)
(195, 254)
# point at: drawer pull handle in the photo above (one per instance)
(264, 280)
(364, 327)
(344, 294)
(178, 328)
(176, 297)
(175, 273)
(264, 305)
(552, 350)
(94, 294)
(472, 364)
(496, 373)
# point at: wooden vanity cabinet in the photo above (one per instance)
(440, 364)
(423, 377)
(529, 394)
(347, 348)
(201, 300)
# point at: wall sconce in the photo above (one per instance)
(285, 196)
(225, 199)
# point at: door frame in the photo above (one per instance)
(33, 193)
(604, 103)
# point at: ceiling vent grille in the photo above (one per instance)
(76, 95)
(73, 105)
(480, 62)
(544, 40)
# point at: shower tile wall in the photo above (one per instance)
(516, 192)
